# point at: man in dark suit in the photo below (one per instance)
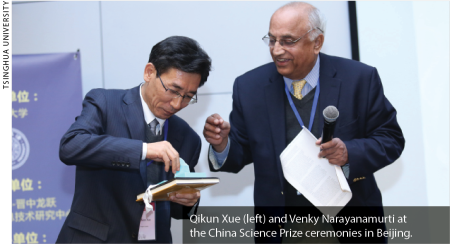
(126, 140)
(367, 136)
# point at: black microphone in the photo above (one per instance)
(330, 115)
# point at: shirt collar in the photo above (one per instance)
(311, 78)
(148, 115)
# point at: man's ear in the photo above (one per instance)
(149, 72)
(318, 43)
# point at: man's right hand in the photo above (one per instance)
(216, 132)
(164, 152)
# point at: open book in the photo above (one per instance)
(162, 191)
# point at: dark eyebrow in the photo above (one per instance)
(284, 37)
(177, 87)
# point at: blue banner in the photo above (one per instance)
(46, 98)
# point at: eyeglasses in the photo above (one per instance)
(270, 41)
(186, 100)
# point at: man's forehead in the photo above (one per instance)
(284, 32)
(181, 80)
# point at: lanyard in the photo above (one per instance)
(166, 129)
(313, 110)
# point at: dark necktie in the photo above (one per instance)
(154, 169)
(153, 125)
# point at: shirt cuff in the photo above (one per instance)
(193, 209)
(218, 159)
(346, 169)
(144, 151)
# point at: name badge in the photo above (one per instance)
(147, 226)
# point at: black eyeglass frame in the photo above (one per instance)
(266, 39)
(177, 94)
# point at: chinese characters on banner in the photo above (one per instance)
(21, 97)
(46, 98)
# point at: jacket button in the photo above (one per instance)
(133, 235)
(281, 192)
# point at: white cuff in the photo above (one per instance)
(218, 159)
(144, 151)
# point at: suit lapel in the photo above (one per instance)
(329, 86)
(274, 96)
(173, 136)
(132, 109)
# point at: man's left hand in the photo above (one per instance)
(186, 199)
(335, 151)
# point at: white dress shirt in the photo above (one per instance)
(149, 117)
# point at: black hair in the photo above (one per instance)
(182, 53)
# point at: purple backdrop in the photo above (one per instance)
(46, 99)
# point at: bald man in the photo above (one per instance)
(367, 136)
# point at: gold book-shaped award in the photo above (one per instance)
(163, 191)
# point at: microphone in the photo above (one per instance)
(330, 115)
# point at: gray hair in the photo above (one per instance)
(316, 18)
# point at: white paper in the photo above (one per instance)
(322, 183)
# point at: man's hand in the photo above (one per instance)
(216, 132)
(164, 152)
(186, 199)
(335, 151)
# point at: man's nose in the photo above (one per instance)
(277, 49)
(176, 103)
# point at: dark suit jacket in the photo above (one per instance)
(367, 124)
(105, 144)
